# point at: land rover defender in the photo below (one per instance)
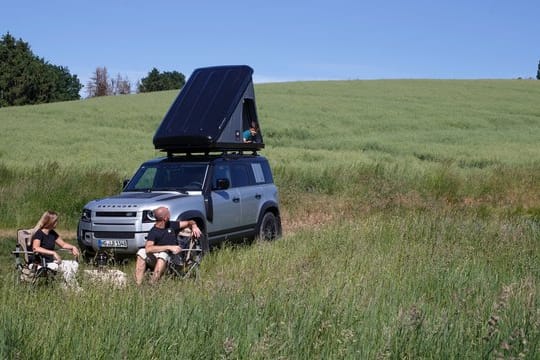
(209, 174)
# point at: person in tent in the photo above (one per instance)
(250, 135)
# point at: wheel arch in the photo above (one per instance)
(273, 207)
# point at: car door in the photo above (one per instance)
(226, 203)
(250, 194)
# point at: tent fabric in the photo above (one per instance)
(213, 109)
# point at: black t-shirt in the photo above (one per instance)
(165, 236)
(48, 241)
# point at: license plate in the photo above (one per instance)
(112, 243)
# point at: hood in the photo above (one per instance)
(134, 200)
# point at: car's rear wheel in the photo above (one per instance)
(269, 227)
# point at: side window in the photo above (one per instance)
(221, 172)
(258, 173)
(267, 172)
(240, 175)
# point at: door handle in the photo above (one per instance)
(236, 200)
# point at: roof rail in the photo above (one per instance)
(251, 152)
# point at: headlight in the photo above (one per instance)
(86, 215)
(148, 216)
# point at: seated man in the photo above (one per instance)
(161, 242)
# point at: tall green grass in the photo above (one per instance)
(424, 285)
(445, 139)
(340, 189)
(412, 218)
(26, 193)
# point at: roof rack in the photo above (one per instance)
(172, 154)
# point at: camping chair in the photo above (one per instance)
(186, 263)
(30, 266)
(182, 265)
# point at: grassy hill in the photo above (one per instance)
(412, 227)
(473, 123)
(450, 139)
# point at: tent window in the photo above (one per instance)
(249, 114)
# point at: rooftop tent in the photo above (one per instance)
(213, 109)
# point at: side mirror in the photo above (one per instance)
(222, 184)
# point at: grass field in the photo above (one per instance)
(412, 228)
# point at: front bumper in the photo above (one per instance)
(119, 242)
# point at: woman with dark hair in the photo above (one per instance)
(44, 240)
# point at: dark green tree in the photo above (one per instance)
(28, 79)
(538, 72)
(156, 81)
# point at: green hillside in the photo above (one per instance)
(472, 123)
(411, 213)
(454, 139)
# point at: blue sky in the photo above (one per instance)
(284, 40)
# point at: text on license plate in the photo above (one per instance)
(112, 243)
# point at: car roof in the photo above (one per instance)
(205, 158)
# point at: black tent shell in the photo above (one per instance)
(211, 113)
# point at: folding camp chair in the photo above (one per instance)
(30, 266)
(186, 263)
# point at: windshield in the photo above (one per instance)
(169, 177)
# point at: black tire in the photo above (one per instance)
(203, 242)
(269, 227)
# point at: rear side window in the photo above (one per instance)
(240, 175)
(258, 173)
(243, 173)
(237, 174)
(262, 173)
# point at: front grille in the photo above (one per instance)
(114, 235)
(116, 213)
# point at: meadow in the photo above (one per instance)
(411, 213)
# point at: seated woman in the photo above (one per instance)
(43, 242)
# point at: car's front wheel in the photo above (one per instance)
(269, 227)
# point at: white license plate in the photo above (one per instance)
(112, 243)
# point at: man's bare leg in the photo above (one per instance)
(140, 268)
(158, 271)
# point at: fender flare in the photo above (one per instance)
(275, 209)
(266, 206)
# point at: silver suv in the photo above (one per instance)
(212, 173)
(230, 196)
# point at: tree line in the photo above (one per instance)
(101, 84)
(27, 79)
